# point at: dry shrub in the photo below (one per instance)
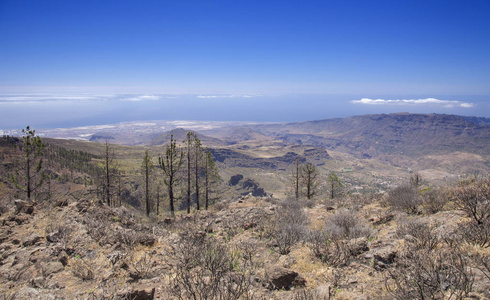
(289, 226)
(3, 207)
(141, 266)
(82, 269)
(309, 203)
(434, 201)
(404, 198)
(474, 199)
(332, 252)
(97, 228)
(475, 234)
(320, 293)
(58, 231)
(204, 268)
(419, 234)
(127, 237)
(345, 224)
(424, 274)
(482, 262)
(222, 205)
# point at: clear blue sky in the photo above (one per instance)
(390, 50)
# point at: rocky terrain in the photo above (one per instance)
(371, 247)
(409, 221)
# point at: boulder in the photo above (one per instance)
(281, 278)
(19, 219)
(22, 206)
(51, 268)
(139, 294)
(358, 246)
(384, 256)
(63, 258)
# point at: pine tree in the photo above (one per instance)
(334, 183)
(309, 176)
(171, 165)
(33, 175)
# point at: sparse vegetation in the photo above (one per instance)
(289, 226)
(244, 247)
(474, 199)
(425, 274)
(204, 268)
(433, 201)
(405, 198)
(345, 224)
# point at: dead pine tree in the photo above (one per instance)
(211, 175)
(147, 168)
(309, 175)
(171, 165)
(158, 200)
(110, 172)
(296, 178)
(198, 157)
(188, 144)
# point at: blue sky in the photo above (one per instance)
(327, 54)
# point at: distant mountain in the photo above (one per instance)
(180, 135)
(374, 135)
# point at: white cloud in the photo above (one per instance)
(427, 101)
(49, 98)
(142, 98)
(224, 96)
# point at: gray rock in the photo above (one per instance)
(22, 206)
(282, 278)
(384, 255)
(358, 246)
(140, 294)
(31, 240)
(51, 267)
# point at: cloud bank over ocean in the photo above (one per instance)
(427, 101)
(74, 110)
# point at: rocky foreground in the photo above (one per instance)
(255, 248)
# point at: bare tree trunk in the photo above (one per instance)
(28, 178)
(188, 172)
(197, 179)
(158, 200)
(207, 185)
(108, 177)
(171, 164)
(296, 191)
(147, 191)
